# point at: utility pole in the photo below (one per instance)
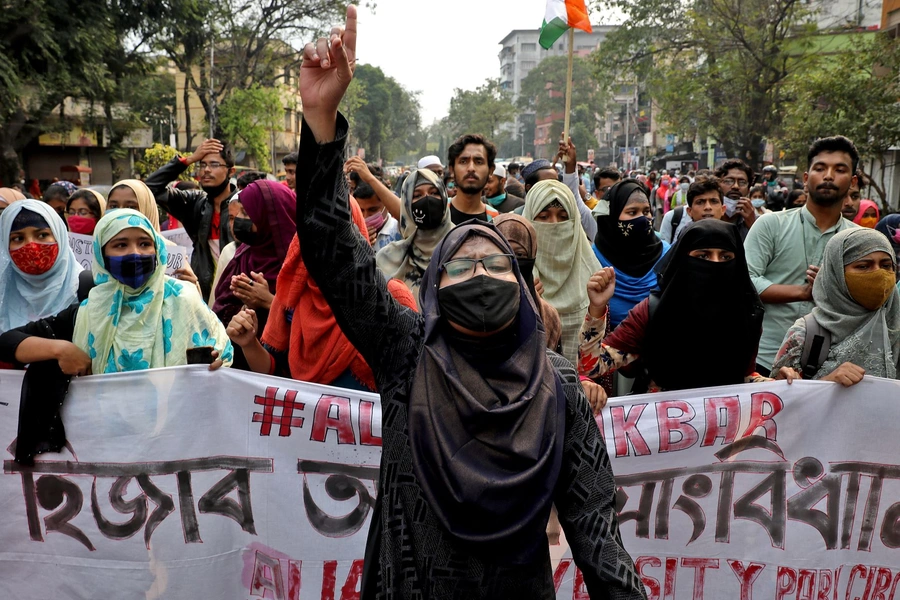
(212, 94)
(628, 133)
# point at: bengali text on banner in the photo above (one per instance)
(181, 483)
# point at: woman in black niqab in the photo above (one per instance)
(682, 350)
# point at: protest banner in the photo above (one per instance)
(181, 238)
(83, 247)
(181, 483)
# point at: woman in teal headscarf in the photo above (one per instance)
(135, 317)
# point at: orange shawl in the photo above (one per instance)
(318, 351)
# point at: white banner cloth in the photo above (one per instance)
(181, 483)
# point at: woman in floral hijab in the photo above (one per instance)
(135, 318)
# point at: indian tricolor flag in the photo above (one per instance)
(560, 16)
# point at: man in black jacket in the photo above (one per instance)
(199, 210)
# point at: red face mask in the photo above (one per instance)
(34, 258)
(82, 225)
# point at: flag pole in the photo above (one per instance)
(569, 84)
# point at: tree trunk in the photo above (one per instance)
(186, 99)
(9, 165)
(879, 189)
(10, 133)
(115, 143)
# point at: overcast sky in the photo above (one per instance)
(435, 46)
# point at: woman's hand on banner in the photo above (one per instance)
(789, 374)
(595, 394)
(72, 359)
(847, 374)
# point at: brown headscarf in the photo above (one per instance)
(523, 238)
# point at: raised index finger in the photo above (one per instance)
(349, 39)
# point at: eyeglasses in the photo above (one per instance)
(731, 182)
(81, 212)
(202, 166)
(464, 268)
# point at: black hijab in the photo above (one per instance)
(631, 254)
(714, 352)
(486, 436)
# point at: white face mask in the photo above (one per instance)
(730, 207)
(684, 186)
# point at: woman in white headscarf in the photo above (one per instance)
(38, 271)
(858, 304)
(424, 221)
(565, 260)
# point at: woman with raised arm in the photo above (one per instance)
(483, 428)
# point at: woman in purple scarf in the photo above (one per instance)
(261, 218)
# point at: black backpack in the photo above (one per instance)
(676, 221)
(85, 284)
(815, 347)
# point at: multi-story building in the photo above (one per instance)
(80, 147)
(890, 16)
(521, 53)
(835, 14)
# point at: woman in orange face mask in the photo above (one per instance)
(858, 304)
(868, 214)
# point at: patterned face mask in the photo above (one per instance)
(34, 258)
(133, 270)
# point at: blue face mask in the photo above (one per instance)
(133, 270)
(758, 202)
(497, 200)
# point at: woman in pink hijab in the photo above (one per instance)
(868, 214)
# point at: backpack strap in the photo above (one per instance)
(815, 347)
(85, 284)
(642, 379)
(677, 215)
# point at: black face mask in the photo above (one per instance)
(482, 303)
(243, 232)
(428, 212)
(213, 192)
(639, 228)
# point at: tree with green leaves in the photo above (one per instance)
(713, 67)
(855, 94)
(482, 110)
(353, 100)
(157, 157)
(250, 42)
(544, 94)
(387, 122)
(248, 116)
(151, 98)
(50, 51)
